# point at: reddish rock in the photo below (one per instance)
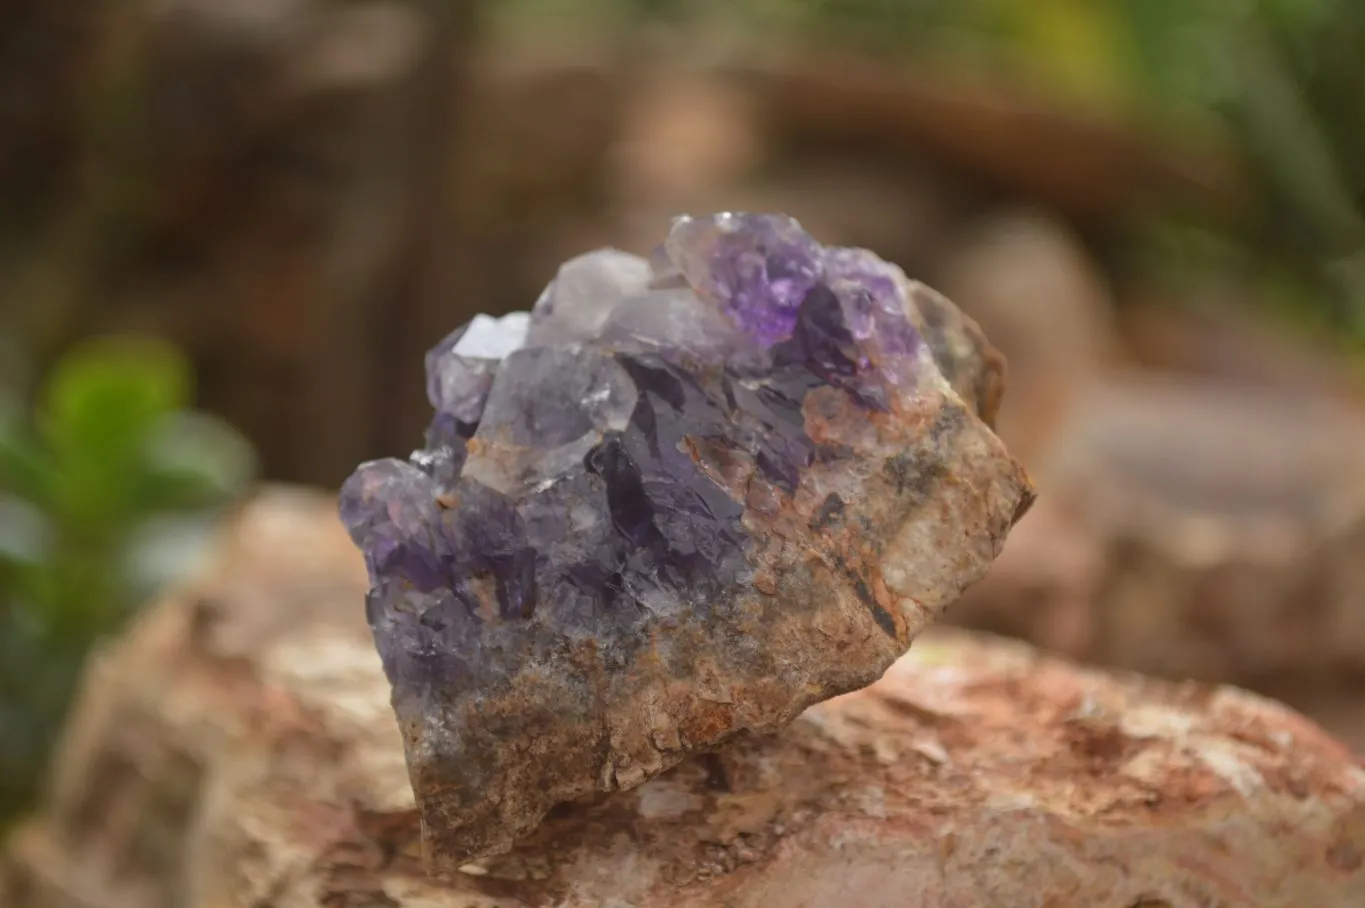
(237, 748)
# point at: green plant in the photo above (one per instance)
(109, 486)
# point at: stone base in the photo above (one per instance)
(237, 748)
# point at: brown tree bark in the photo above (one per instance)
(306, 196)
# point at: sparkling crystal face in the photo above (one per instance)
(583, 468)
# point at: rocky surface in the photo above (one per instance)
(1028, 280)
(1202, 514)
(680, 500)
(237, 748)
(1193, 528)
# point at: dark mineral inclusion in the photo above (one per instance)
(682, 499)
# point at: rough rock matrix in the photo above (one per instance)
(237, 748)
(681, 499)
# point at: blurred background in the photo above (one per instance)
(229, 231)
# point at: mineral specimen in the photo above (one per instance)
(683, 499)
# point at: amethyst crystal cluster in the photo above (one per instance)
(683, 498)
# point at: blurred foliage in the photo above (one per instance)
(109, 487)
(1283, 79)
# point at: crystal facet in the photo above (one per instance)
(460, 369)
(757, 268)
(583, 294)
(683, 498)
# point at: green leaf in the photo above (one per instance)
(26, 535)
(108, 393)
(166, 549)
(1075, 45)
(85, 485)
(100, 405)
(193, 460)
(25, 470)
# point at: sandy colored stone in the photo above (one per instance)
(237, 748)
(1204, 518)
(1030, 283)
(1194, 528)
(1217, 335)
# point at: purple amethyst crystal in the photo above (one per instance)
(681, 499)
(757, 268)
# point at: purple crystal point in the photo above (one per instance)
(757, 267)
(682, 499)
(873, 297)
(389, 508)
